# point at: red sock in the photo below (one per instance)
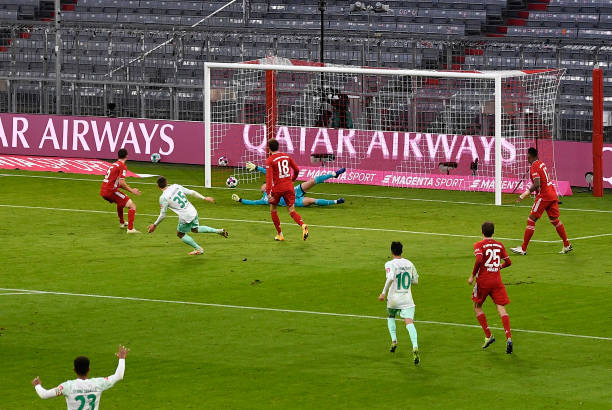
(528, 233)
(276, 221)
(120, 214)
(131, 215)
(561, 231)
(483, 323)
(506, 321)
(297, 218)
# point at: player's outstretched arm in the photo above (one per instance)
(162, 214)
(121, 354)
(252, 167)
(125, 186)
(44, 393)
(199, 195)
(533, 188)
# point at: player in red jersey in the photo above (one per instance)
(115, 179)
(489, 255)
(546, 200)
(279, 184)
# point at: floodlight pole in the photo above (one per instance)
(322, 5)
(58, 59)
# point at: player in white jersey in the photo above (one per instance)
(401, 275)
(83, 392)
(175, 197)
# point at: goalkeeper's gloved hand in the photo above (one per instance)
(251, 166)
(235, 197)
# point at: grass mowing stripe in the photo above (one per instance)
(353, 228)
(266, 309)
(325, 194)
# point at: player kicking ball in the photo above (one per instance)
(175, 198)
(401, 275)
(546, 200)
(489, 255)
(115, 179)
(83, 392)
(301, 200)
(281, 171)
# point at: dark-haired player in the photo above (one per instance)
(546, 200)
(400, 276)
(489, 255)
(281, 171)
(84, 393)
(115, 179)
(175, 197)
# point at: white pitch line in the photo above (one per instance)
(351, 228)
(306, 312)
(442, 201)
(17, 293)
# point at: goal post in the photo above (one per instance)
(456, 130)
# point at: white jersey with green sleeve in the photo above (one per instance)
(175, 198)
(402, 274)
(84, 394)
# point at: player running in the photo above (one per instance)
(115, 179)
(401, 275)
(546, 200)
(279, 185)
(301, 200)
(84, 392)
(489, 254)
(175, 198)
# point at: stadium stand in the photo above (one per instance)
(100, 36)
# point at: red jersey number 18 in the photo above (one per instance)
(283, 169)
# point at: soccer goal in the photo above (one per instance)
(454, 130)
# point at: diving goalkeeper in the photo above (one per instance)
(301, 200)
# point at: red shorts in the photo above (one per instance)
(551, 208)
(497, 293)
(289, 196)
(117, 197)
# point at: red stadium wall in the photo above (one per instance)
(183, 142)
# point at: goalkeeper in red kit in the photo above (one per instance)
(546, 200)
(281, 171)
(489, 256)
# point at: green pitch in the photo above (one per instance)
(195, 356)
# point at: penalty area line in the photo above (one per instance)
(350, 228)
(335, 195)
(266, 309)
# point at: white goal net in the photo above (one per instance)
(405, 128)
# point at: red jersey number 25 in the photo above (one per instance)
(493, 259)
(283, 169)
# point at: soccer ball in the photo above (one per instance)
(231, 182)
(223, 161)
(155, 157)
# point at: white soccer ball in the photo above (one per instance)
(231, 182)
(223, 161)
(155, 157)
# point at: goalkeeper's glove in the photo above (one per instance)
(251, 166)
(235, 197)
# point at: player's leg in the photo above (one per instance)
(124, 201)
(501, 299)
(275, 219)
(327, 202)
(320, 179)
(290, 201)
(392, 329)
(529, 230)
(553, 214)
(479, 297)
(197, 249)
(408, 316)
(122, 223)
